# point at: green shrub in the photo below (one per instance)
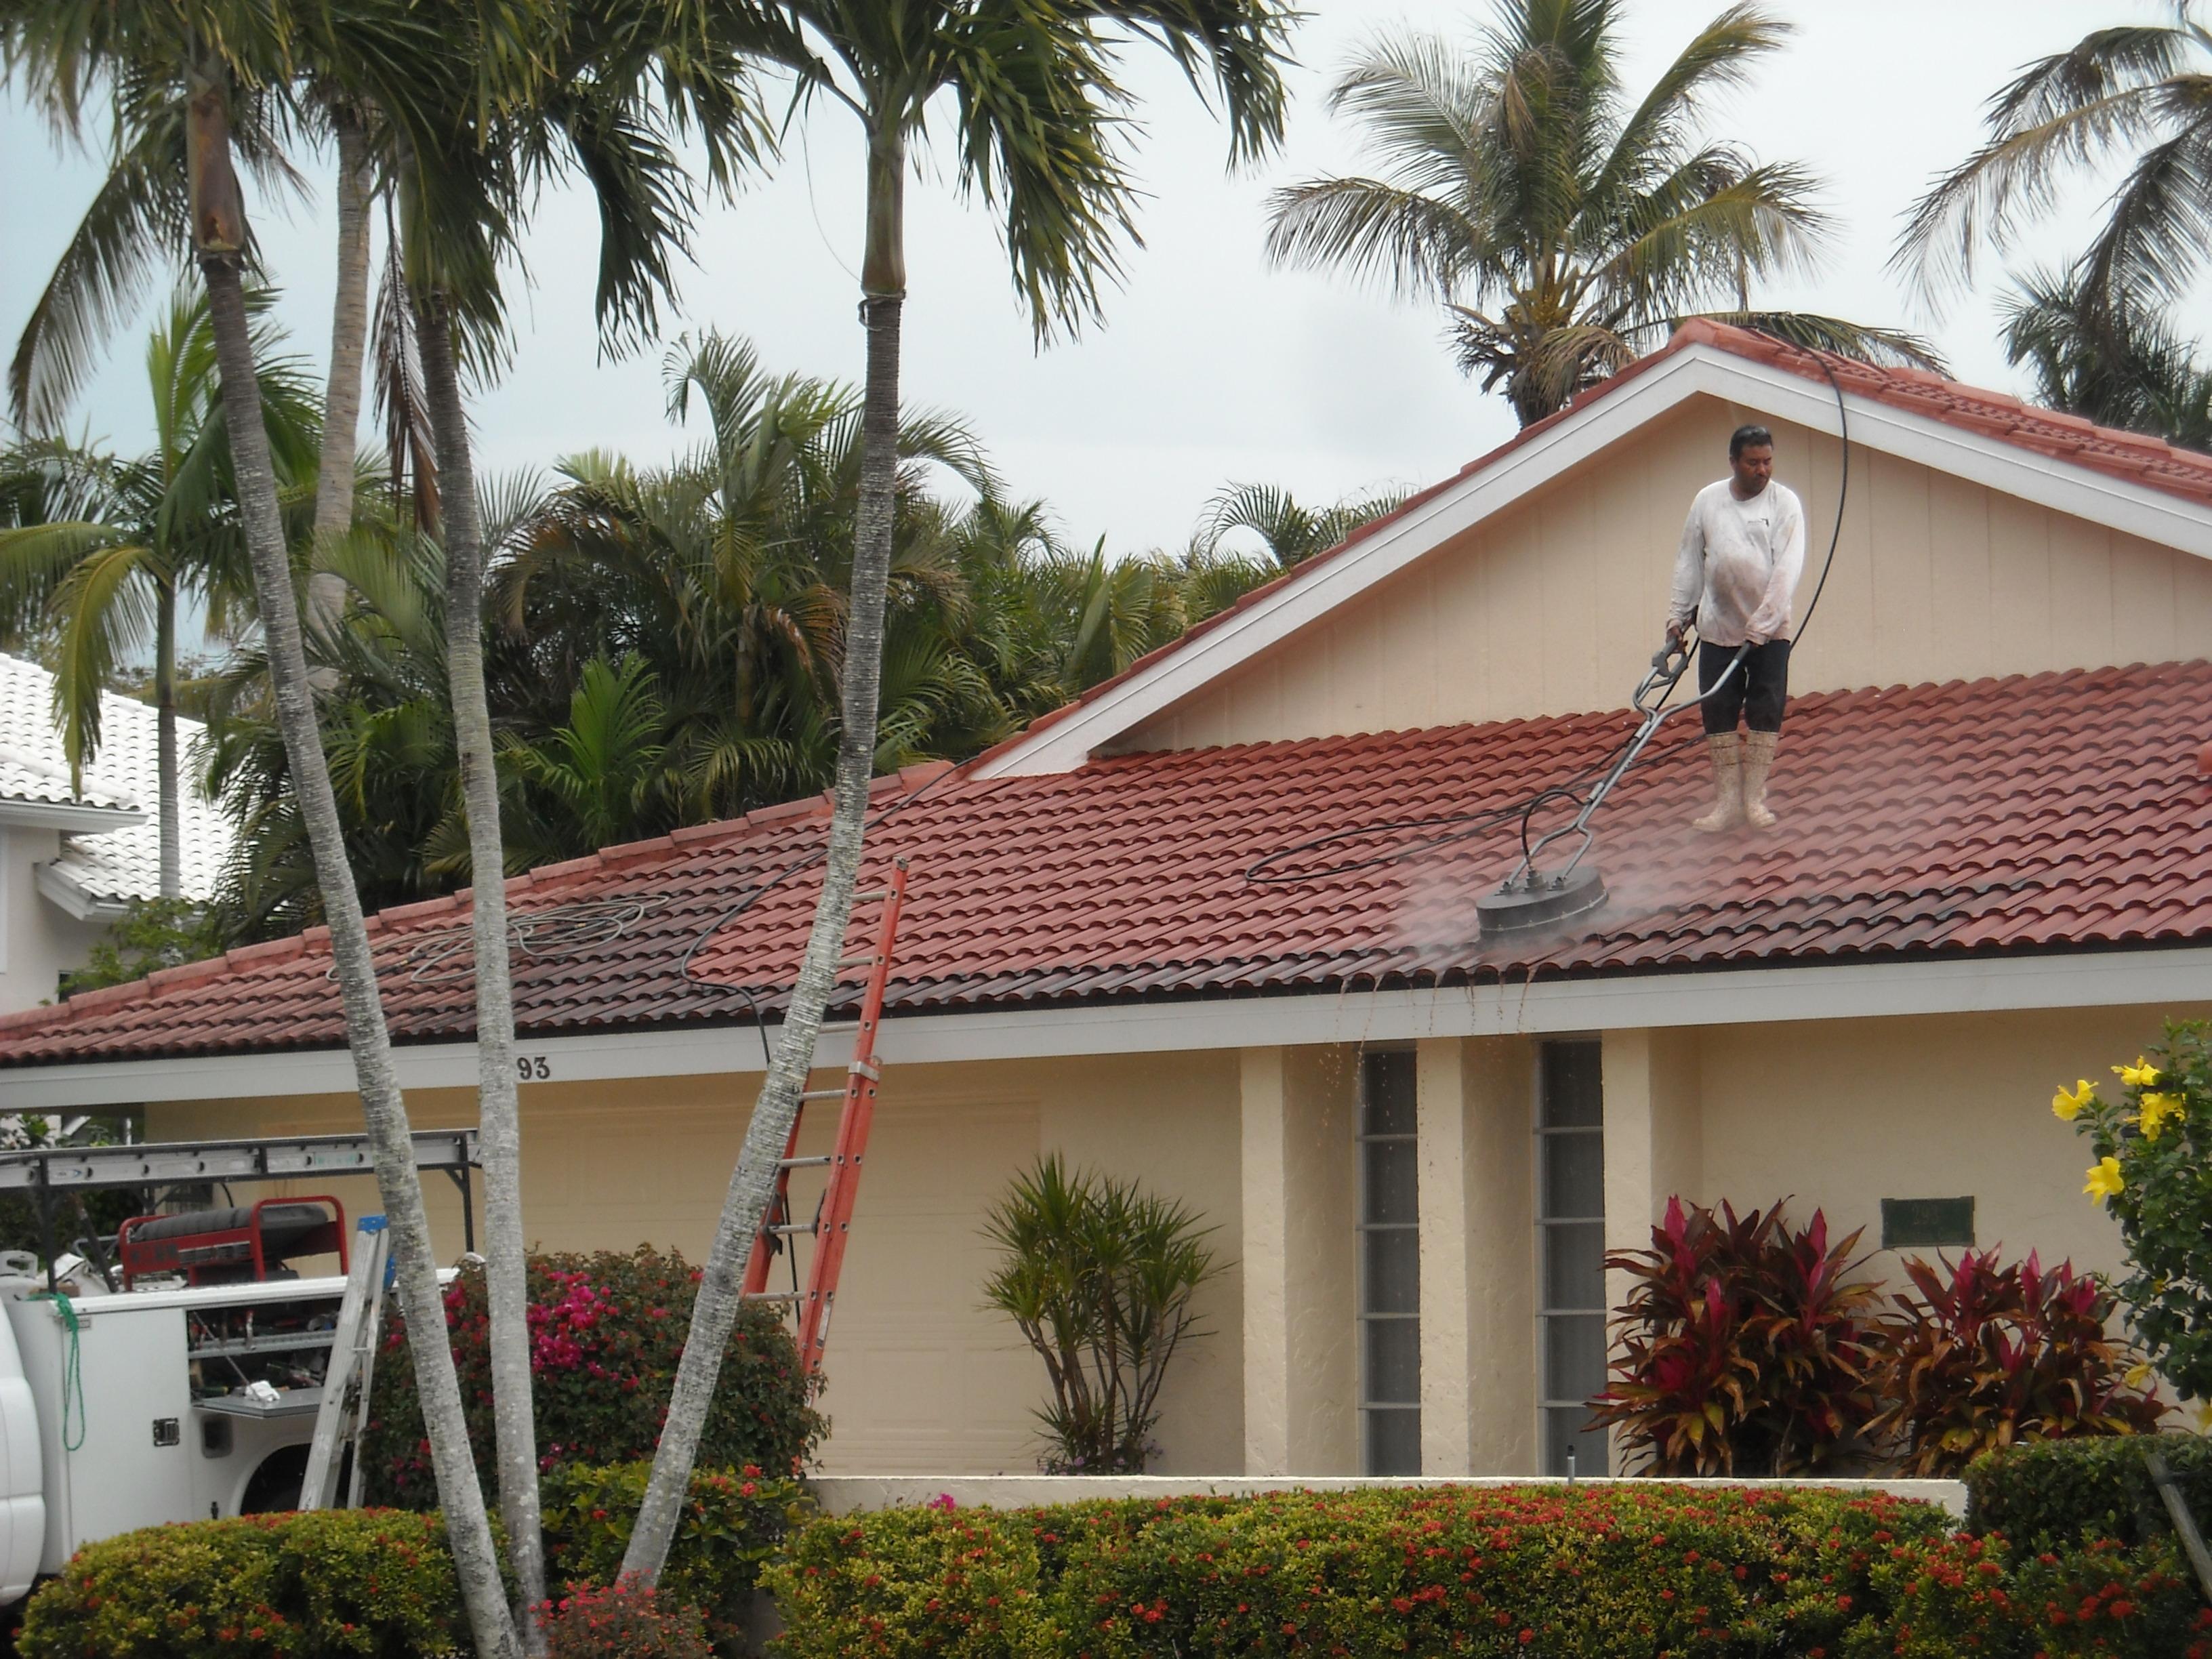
(2052, 1495)
(965, 1585)
(2153, 1173)
(730, 1525)
(1645, 1572)
(1533, 1570)
(373, 1582)
(605, 1333)
(1981, 1595)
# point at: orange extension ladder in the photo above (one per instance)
(833, 1214)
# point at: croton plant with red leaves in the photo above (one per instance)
(1745, 1347)
(1986, 1355)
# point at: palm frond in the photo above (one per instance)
(1415, 245)
(2158, 224)
(132, 230)
(2061, 114)
(1721, 57)
(1885, 348)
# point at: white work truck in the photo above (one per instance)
(129, 1398)
(126, 1410)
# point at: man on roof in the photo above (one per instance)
(1735, 576)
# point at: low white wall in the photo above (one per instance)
(846, 1494)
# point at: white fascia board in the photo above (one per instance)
(74, 816)
(2161, 979)
(1229, 645)
(71, 895)
(1979, 458)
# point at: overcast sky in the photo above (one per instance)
(1209, 366)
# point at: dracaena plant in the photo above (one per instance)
(1989, 1356)
(1101, 1276)
(2153, 1141)
(1744, 1346)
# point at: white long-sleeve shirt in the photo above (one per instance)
(1738, 568)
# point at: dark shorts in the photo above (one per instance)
(1754, 694)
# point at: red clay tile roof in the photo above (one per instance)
(2055, 813)
(2148, 461)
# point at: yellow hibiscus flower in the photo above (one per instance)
(2139, 1075)
(2105, 1180)
(2156, 1110)
(2067, 1105)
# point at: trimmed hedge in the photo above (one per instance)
(1979, 1595)
(2054, 1493)
(1533, 1570)
(379, 1584)
(605, 1333)
(373, 1582)
(1657, 1572)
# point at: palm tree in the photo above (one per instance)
(2116, 370)
(1030, 87)
(726, 574)
(136, 228)
(591, 94)
(228, 56)
(1292, 533)
(103, 550)
(1565, 230)
(2143, 91)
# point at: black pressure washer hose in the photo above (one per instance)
(1466, 826)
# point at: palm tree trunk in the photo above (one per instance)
(219, 241)
(499, 1118)
(165, 737)
(348, 342)
(883, 286)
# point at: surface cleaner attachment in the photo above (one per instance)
(1528, 901)
(1533, 897)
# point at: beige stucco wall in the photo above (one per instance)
(1940, 1106)
(1841, 1114)
(1260, 1143)
(921, 1378)
(39, 940)
(1555, 606)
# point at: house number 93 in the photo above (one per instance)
(533, 1068)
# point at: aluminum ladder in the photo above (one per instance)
(352, 1369)
(833, 1215)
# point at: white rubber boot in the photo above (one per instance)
(1726, 750)
(1758, 756)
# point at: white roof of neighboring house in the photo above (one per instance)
(111, 848)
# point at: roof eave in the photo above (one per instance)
(77, 817)
(2167, 975)
(74, 898)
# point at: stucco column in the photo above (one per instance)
(1266, 1265)
(1447, 1350)
(1497, 1080)
(1301, 1364)
(1653, 1136)
(1477, 1257)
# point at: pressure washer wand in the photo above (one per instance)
(1525, 899)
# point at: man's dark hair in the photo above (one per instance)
(1748, 437)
